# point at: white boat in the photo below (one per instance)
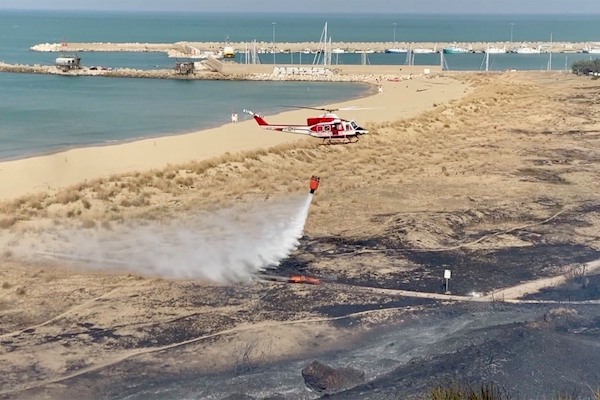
(228, 52)
(528, 50)
(421, 50)
(495, 50)
(368, 51)
(591, 50)
(338, 51)
(396, 50)
(455, 50)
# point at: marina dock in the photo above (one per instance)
(201, 49)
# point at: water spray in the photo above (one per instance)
(228, 245)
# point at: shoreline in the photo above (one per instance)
(66, 168)
(370, 90)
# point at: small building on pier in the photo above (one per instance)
(184, 68)
(66, 63)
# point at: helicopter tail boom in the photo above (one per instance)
(259, 119)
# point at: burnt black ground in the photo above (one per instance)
(535, 360)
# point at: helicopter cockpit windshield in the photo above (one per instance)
(358, 129)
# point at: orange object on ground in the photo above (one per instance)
(314, 183)
(304, 279)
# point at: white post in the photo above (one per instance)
(447, 275)
(512, 25)
(273, 42)
(550, 56)
(487, 61)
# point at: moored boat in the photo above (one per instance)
(396, 50)
(591, 50)
(528, 50)
(495, 50)
(455, 50)
(228, 52)
(422, 50)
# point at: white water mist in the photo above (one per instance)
(229, 245)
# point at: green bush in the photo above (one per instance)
(586, 67)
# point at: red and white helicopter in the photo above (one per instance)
(329, 127)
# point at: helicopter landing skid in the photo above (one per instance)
(344, 140)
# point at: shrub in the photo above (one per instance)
(487, 391)
(67, 196)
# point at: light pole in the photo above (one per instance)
(395, 23)
(512, 25)
(550, 56)
(273, 43)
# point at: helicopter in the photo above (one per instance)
(328, 127)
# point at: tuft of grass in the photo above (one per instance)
(7, 222)
(67, 196)
(486, 391)
(106, 193)
(88, 224)
(187, 181)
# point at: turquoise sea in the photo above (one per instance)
(47, 113)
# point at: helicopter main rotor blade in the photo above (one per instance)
(312, 108)
(354, 108)
(330, 110)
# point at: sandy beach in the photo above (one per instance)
(493, 176)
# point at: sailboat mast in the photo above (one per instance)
(322, 50)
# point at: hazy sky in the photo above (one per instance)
(351, 6)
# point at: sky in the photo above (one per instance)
(343, 6)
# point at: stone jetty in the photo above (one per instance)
(200, 49)
(233, 71)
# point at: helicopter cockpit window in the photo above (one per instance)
(354, 125)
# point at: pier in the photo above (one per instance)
(203, 49)
(235, 71)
